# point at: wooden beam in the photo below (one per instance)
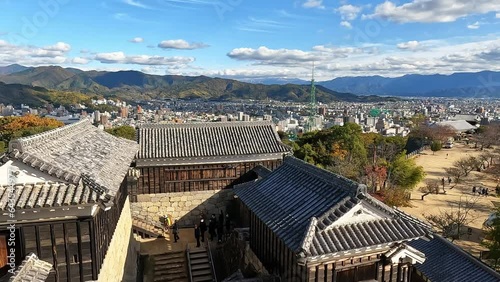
(66, 251)
(93, 248)
(54, 252)
(80, 255)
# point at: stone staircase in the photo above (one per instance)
(147, 228)
(170, 267)
(201, 267)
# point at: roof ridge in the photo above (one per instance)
(203, 124)
(21, 143)
(309, 235)
(324, 175)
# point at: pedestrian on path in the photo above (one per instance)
(175, 231)
(197, 235)
(203, 229)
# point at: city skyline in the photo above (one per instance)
(254, 39)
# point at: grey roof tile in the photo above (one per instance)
(446, 262)
(32, 269)
(214, 139)
(39, 195)
(297, 194)
(80, 148)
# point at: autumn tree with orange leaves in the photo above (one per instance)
(16, 127)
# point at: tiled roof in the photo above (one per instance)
(214, 139)
(300, 202)
(446, 262)
(39, 195)
(32, 269)
(80, 148)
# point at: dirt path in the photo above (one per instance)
(434, 166)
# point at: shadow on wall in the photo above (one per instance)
(186, 207)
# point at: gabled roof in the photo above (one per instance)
(77, 150)
(446, 262)
(32, 269)
(302, 204)
(458, 125)
(208, 140)
(39, 195)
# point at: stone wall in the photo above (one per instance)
(120, 263)
(186, 207)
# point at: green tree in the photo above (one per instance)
(493, 240)
(436, 146)
(404, 173)
(124, 131)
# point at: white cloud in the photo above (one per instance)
(181, 44)
(349, 12)
(80, 61)
(410, 45)
(473, 26)
(137, 40)
(136, 4)
(313, 4)
(432, 57)
(497, 15)
(433, 11)
(291, 57)
(33, 55)
(59, 46)
(346, 24)
(121, 58)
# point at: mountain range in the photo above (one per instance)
(485, 84)
(133, 85)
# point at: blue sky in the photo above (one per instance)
(243, 38)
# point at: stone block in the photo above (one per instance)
(153, 209)
(184, 198)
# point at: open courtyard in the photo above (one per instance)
(434, 165)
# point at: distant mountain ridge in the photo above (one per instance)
(12, 69)
(485, 84)
(133, 85)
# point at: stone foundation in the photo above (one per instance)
(120, 263)
(186, 207)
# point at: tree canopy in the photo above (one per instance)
(124, 131)
(377, 161)
(16, 127)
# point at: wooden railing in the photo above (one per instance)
(190, 274)
(211, 260)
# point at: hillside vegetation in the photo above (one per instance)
(133, 85)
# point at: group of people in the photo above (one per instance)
(443, 181)
(480, 190)
(215, 228)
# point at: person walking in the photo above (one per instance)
(212, 226)
(197, 235)
(449, 180)
(228, 224)
(203, 229)
(220, 227)
(175, 231)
